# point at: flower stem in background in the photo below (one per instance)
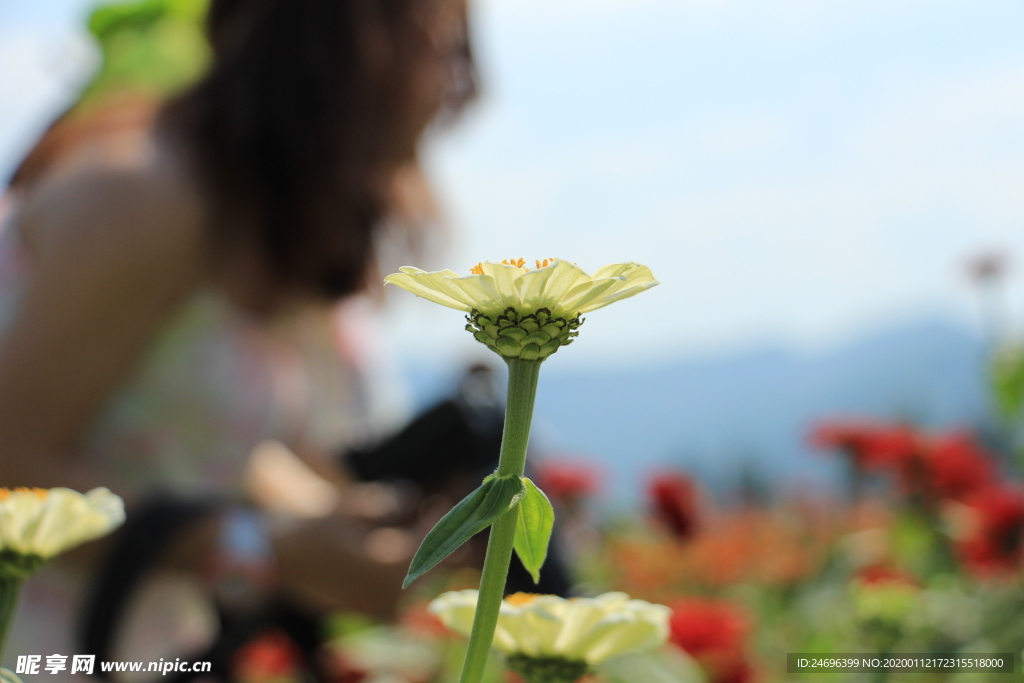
(10, 588)
(522, 389)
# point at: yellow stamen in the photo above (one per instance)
(6, 493)
(521, 598)
(478, 269)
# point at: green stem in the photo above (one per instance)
(522, 389)
(9, 590)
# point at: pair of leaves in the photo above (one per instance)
(492, 499)
(477, 511)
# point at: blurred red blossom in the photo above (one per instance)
(714, 633)
(420, 620)
(958, 467)
(993, 544)
(870, 445)
(937, 466)
(674, 499)
(340, 669)
(567, 482)
(269, 657)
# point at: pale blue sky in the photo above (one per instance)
(794, 171)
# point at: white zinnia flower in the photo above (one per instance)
(589, 630)
(42, 523)
(524, 313)
(559, 286)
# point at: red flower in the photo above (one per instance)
(674, 501)
(871, 446)
(947, 466)
(959, 468)
(735, 671)
(714, 633)
(271, 656)
(567, 482)
(338, 668)
(994, 545)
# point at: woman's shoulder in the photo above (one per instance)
(127, 195)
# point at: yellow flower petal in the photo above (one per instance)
(584, 293)
(618, 270)
(455, 609)
(47, 524)
(560, 287)
(636, 279)
(546, 287)
(632, 627)
(504, 277)
(589, 630)
(533, 625)
(492, 287)
(429, 286)
(19, 512)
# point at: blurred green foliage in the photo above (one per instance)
(1008, 381)
(148, 47)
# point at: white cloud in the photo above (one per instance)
(784, 19)
(793, 212)
(787, 167)
(40, 73)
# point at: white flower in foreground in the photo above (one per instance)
(40, 523)
(8, 676)
(524, 313)
(559, 286)
(588, 630)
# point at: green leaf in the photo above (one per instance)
(533, 530)
(476, 512)
(1007, 374)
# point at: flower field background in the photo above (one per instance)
(793, 171)
(919, 548)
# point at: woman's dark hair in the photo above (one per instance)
(309, 109)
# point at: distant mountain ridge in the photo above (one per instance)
(716, 416)
(754, 409)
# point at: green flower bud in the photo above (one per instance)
(547, 669)
(533, 336)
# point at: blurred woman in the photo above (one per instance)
(168, 273)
